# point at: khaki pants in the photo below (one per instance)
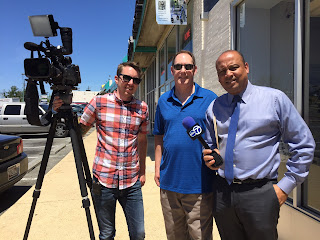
(187, 216)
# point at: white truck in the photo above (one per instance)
(8, 100)
(14, 120)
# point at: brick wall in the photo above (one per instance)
(210, 39)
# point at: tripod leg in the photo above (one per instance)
(83, 154)
(84, 160)
(78, 149)
(42, 171)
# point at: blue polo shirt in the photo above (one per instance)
(182, 167)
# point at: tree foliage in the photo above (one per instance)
(14, 92)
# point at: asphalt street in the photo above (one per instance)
(33, 146)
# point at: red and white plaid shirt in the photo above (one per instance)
(116, 162)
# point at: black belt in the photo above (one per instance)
(250, 180)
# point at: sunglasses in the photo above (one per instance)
(186, 66)
(127, 78)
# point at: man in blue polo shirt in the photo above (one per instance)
(184, 180)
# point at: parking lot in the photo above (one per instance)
(33, 145)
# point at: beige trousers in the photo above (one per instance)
(187, 216)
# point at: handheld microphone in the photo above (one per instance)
(194, 131)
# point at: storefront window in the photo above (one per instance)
(185, 37)
(265, 36)
(313, 199)
(162, 90)
(151, 84)
(162, 66)
(171, 84)
(171, 50)
(167, 87)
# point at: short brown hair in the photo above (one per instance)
(134, 65)
(186, 52)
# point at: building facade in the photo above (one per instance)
(279, 40)
(83, 96)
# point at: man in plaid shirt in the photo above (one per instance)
(119, 166)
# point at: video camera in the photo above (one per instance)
(51, 66)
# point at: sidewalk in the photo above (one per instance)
(59, 213)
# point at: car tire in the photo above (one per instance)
(61, 131)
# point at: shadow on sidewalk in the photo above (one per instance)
(11, 196)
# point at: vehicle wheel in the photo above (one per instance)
(172, 20)
(61, 130)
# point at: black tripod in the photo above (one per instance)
(80, 159)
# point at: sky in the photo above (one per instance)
(101, 29)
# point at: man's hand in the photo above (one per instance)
(158, 146)
(208, 159)
(142, 179)
(157, 178)
(57, 103)
(142, 152)
(282, 196)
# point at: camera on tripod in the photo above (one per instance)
(53, 67)
(50, 66)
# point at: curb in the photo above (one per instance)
(37, 162)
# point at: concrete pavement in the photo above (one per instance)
(59, 213)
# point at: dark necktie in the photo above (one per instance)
(232, 131)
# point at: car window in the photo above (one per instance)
(45, 107)
(12, 110)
